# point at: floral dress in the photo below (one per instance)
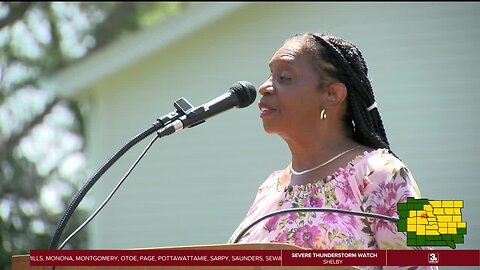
(372, 182)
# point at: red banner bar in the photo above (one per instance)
(164, 257)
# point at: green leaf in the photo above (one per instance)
(367, 230)
(404, 173)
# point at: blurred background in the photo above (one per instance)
(79, 80)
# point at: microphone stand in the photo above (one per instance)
(183, 108)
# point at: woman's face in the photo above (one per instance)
(292, 98)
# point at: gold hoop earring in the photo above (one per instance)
(323, 115)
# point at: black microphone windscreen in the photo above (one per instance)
(246, 93)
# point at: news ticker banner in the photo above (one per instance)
(165, 257)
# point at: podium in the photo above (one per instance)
(22, 262)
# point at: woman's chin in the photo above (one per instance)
(270, 129)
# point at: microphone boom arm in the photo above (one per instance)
(241, 94)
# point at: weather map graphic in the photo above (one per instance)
(432, 222)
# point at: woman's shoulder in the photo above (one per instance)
(377, 161)
(382, 170)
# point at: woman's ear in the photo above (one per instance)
(337, 93)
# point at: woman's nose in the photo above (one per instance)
(266, 88)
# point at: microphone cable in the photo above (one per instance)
(313, 209)
(89, 184)
(110, 195)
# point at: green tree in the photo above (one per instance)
(42, 162)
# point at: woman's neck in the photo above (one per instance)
(309, 152)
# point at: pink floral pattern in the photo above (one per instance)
(306, 235)
(373, 182)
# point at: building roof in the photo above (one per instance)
(77, 77)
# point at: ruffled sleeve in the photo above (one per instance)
(387, 182)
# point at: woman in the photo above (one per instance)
(319, 100)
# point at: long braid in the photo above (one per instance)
(352, 70)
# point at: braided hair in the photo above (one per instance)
(341, 60)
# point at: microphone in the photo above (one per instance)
(240, 95)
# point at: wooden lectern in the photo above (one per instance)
(22, 262)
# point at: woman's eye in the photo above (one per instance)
(280, 77)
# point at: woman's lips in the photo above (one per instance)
(265, 109)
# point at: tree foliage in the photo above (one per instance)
(42, 162)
